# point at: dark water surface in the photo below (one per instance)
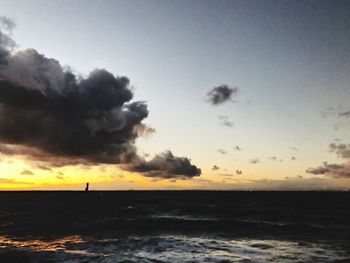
(174, 226)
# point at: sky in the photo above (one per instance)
(241, 95)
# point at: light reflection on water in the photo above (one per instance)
(172, 249)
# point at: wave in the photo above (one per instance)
(166, 248)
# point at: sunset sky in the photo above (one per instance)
(245, 95)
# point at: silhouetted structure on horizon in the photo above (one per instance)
(87, 187)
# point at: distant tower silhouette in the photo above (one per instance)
(87, 187)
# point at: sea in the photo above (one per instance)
(174, 226)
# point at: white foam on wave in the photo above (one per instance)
(175, 248)
(183, 217)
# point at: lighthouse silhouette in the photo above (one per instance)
(87, 187)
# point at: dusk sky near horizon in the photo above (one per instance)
(226, 95)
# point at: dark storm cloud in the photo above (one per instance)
(221, 94)
(225, 121)
(87, 119)
(166, 165)
(54, 116)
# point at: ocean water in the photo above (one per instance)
(174, 226)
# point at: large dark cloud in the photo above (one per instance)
(54, 116)
(335, 170)
(221, 94)
(166, 165)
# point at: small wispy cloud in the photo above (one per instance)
(215, 168)
(293, 148)
(221, 94)
(237, 148)
(222, 151)
(341, 149)
(225, 121)
(43, 167)
(254, 161)
(27, 172)
(226, 174)
(12, 181)
(344, 114)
